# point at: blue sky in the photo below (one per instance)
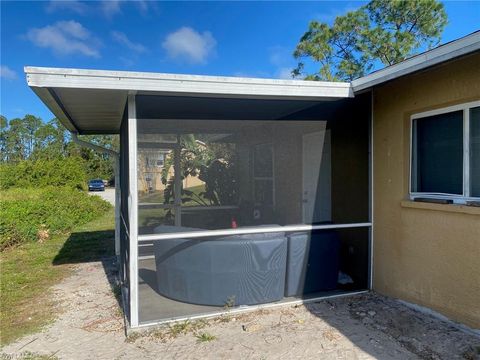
(212, 38)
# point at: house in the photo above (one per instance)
(157, 171)
(308, 189)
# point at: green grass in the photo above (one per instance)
(155, 217)
(29, 270)
(157, 196)
(205, 337)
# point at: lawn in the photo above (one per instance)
(157, 196)
(29, 271)
(151, 217)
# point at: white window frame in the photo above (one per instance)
(456, 198)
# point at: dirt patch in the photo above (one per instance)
(359, 327)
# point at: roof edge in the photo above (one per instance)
(190, 85)
(454, 49)
(30, 70)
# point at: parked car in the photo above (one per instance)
(96, 185)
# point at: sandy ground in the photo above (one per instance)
(90, 326)
(107, 195)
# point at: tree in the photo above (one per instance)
(29, 138)
(3, 138)
(99, 165)
(15, 140)
(31, 125)
(382, 31)
(213, 163)
(50, 141)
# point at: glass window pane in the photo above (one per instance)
(475, 151)
(438, 154)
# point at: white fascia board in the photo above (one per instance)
(457, 48)
(143, 82)
(55, 107)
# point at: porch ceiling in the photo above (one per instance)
(93, 101)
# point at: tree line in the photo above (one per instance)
(31, 139)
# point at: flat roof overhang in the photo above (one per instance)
(93, 101)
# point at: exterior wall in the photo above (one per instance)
(155, 174)
(428, 254)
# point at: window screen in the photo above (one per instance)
(438, 154)
(263, 174)
(475, 151)
(221, 174)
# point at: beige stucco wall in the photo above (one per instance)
(427, 254)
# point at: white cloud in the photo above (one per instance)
(142, 6)
(281, 57)
(70, 5)
(122, 39)
(7, 73)
(107, 8)
(145, 6)
(110, 8)
(189, 45)
(284, 73)
(65, 38)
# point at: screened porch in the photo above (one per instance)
(231, 193)
(244, 203)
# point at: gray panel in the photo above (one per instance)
(229, 270)
(312, 263)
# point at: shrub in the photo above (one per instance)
(69, 172)
(25, 212)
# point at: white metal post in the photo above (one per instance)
(133, 209)
(177, 189)
(371, 193)
(117, 206)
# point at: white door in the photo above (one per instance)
(317, 177)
